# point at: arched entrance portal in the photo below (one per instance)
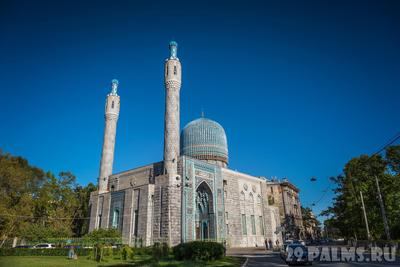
(204, 212)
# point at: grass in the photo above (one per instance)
(60, 261)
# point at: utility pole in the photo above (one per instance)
(385, 222)
(365, 216)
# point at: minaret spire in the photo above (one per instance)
(172, 83)
(110, 130)
(114, 87)
(173, 50)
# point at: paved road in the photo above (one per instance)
(257, 257)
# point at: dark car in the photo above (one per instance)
(295, 254)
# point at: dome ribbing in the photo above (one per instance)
(205, 139)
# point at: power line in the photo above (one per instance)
(394, 139)
(390, 142)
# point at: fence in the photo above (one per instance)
(62, 242)
(82, 242)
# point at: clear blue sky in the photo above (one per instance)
(299, 86)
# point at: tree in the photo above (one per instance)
(19, 183)
(310, 223)
(359, 175)
(36, 205)
(81, 222)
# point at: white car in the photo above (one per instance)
(45, 245)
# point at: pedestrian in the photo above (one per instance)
(266, 244)
(271, 246)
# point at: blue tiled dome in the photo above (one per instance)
(204, 139)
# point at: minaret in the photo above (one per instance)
(172, 83)
(111, 118)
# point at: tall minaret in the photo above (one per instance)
(111, 118)
(172, 117)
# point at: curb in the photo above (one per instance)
(245, 263)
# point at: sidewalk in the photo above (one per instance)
(260, 251)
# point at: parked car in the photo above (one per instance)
(290, 254)
(24, 246)
(44, 245)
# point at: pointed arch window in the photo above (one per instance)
(175, 71)
(259, 200)
(204, 212)
(253, 225)
(242, 203)
(251, 200)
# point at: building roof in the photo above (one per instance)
(284, 182)
(204, 139)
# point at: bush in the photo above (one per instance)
(199, 251)
(104, 236)
(100, 251)
(126, 253)
(160, 251)
(143, 251)
(165, 250)
(43, 252)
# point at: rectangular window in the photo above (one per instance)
(100, 210)
(244, 226)
(99, 226)
(226, 216)
(161, 210)
(261, 225)
(253, 224)
(227, 229)
(136, 225)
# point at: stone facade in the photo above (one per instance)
(153, 209)
(249, 219)
(285, 196)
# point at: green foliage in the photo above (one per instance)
(160, 251)
(40, 233)
(32, 200)
(101, 252)
(199, 251)
(345, 214)
(103, 236)
(81, 224)
(310, 223)
(143, 251)
(42, 252)
(127, 253)
(157, 252)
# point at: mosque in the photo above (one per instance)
(191, 194)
